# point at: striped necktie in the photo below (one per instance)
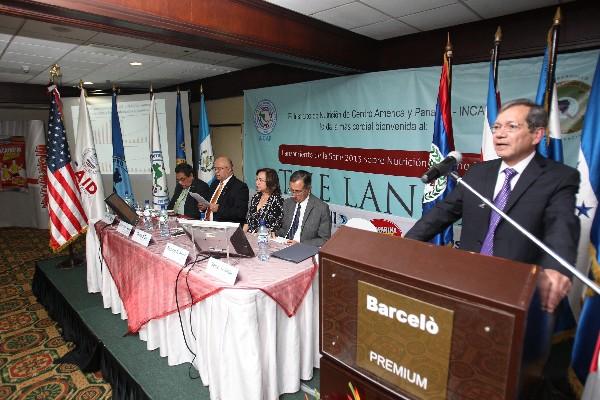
(487, 247)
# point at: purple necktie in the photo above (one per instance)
(487, 247)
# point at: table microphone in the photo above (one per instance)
(443, 168)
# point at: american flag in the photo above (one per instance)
(67, 217)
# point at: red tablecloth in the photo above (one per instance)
(146, 280)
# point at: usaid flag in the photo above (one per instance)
(160, 191)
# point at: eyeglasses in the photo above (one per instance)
(297, 191)
(508, 127)
(220, 168)
(260, 179)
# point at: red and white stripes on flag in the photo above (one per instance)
(67, 217)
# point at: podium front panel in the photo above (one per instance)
(481, 340)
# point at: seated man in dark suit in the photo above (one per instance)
(306, 218)
(181, 203)
(228, 195)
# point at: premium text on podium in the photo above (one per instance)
(405, 319)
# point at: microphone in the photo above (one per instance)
(443, 168)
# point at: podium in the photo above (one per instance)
(401, 319)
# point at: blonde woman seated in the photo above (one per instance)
(266, 204)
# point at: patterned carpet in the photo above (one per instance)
(29, 340)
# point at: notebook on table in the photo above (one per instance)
(296, 253)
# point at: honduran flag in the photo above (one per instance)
(588, 260)
(441, 144)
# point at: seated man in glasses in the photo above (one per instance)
(228, 195)
(181, 202)
(306, 218)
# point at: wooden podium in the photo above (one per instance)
(405, 319)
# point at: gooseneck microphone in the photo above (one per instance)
(443, 168)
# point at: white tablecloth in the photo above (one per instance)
(246, 346)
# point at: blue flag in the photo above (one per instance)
(121, 182)
(553, 148)
(441, 144)
(488, 152)
(179, 134)
(205, 151)
(588, 326)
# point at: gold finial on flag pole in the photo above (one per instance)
(54, 73)
(80, 85)
(201, 92)
(177, 89)
(498, 36)
(449, 47)
(557, 17)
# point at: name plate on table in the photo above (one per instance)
(222, 271)
(108, 219)
(141, 237)
(175, 253)
(124, 228)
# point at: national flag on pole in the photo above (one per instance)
(67, 217)
(205, 151)
(160, 191)
(588, 260)
(441, 145)
(121, 182)
(87, 169)
(179, 133)
(592, 384)
(551, 145)
(491, 113)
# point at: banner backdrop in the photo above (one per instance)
(12, 164)
(366, 137)
(27, 208)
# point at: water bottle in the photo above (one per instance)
(163, 223)
(147, 216)
(263, 241)
(128, 199)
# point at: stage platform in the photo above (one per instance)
(101, 343)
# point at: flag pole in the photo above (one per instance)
(495, 50)
(448, 54)
(552, 42)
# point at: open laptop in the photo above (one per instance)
(212, 241)
(122, 209)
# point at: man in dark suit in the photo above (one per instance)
(181, 202)
(539, 195)
(306, 218)
(228, 195)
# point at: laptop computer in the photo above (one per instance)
(213, 241)
(122, 209)
(296, 253)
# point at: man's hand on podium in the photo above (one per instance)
(553, 286)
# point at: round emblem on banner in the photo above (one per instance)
(206, 162)
(434, 189)
(572, 102)
(90, 161)
(265, 116)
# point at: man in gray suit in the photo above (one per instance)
(306, 218)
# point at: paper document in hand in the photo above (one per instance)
(201, 200)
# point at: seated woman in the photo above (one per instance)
(267, 203)
(181, 203)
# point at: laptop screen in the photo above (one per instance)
(215, 241)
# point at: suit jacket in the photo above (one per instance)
(316, 224)
(190, 208)
(542, 201)
(233, 201)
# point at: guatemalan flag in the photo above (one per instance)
(553, 148)
(121, 182)
(179, 133)
(441, 145)
(491, 112)
(205, 151)
(588, 260)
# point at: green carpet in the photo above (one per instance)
(157, 378)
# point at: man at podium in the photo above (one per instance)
(536, 192)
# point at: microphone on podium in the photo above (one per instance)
(443, 168)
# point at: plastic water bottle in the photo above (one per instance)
(163, 223)
(128, 199)
(263, 241)
(147, 215)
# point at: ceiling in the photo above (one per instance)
(28, 48)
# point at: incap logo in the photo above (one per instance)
(265, 116)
